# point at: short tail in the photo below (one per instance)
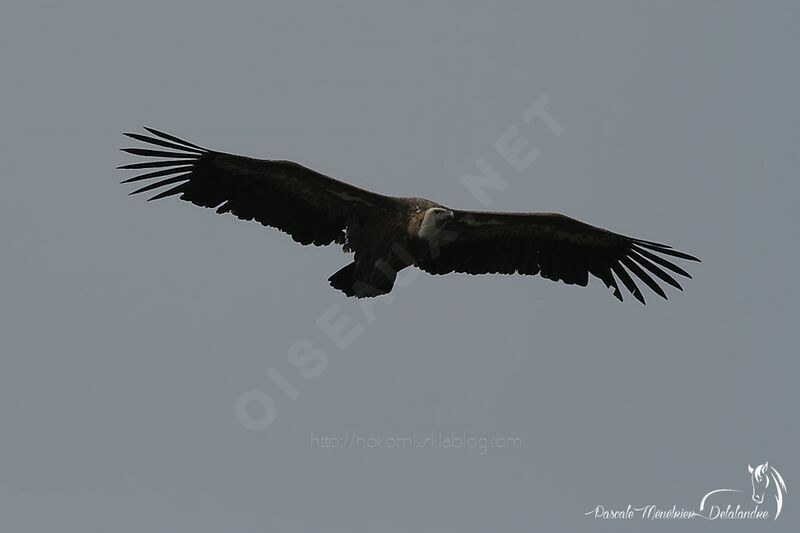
(347, 281)
(344, 279)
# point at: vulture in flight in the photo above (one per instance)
(387, 234)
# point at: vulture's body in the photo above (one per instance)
(387, 234)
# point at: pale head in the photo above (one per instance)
(433, 221)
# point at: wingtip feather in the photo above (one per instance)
(171, 192)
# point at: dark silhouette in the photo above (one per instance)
(387, 234)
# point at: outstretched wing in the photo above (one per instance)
(554, 246)
(309, 206)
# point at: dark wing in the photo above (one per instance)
(554, 246)
(309, 206)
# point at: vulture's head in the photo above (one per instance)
(433, 221)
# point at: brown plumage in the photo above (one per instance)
(387, 234)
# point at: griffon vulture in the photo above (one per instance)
(387, 234)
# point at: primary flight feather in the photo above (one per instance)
(387, 234)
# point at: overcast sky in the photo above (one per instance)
(130, 331)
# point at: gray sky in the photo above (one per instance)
(128, 330)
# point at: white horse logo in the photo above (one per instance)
(763, 478)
